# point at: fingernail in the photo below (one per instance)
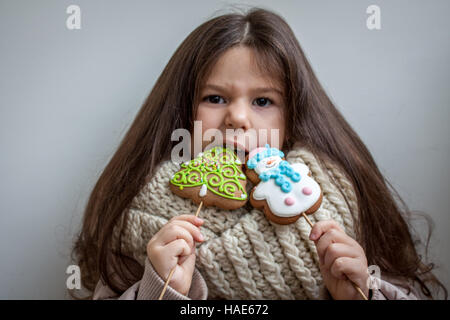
(198, 220)
(201, 237)
(313, 236)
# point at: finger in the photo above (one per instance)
(184, 258)
(348, 268)
(177, 248)
(171, 253)
(192, 229)
(174, 232)
(337, 250)
(189, 264)
(322, 227)
(189, 218)
(331, 236)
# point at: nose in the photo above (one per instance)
(238, 115)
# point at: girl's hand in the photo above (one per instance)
(342, 260)
(174, 245)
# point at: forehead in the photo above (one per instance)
(238, 68)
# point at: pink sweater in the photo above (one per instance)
(151, 285)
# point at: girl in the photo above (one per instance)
(248, 72)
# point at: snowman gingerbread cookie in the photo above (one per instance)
(283, 191)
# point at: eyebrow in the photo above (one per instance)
(258, 89)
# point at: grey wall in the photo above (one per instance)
(68, 96)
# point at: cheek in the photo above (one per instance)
(281, 138)
(211, 118)
(272, 123)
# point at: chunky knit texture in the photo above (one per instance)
(245, 256)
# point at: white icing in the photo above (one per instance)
(269, 191)
(243, 196)
(203, 190)
(267, 163)
(238, 162)
(242, 175)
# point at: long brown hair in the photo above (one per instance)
(311, 118)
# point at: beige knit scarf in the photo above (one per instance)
(245, 256)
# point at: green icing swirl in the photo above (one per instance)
(217, 168)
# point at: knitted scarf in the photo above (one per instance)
(244, 255)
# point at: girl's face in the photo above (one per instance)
(237, 95)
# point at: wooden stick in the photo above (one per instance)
(307, 219)
(354, 285)
(173, 269)
(198, 210)
(167, 283)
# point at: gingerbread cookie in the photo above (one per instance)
(283, 190)
(214, 177)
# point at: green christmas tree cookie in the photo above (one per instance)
(214, 177)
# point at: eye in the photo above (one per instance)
(214, 99)
(262, 102)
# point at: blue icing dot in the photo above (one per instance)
(286, 186)
(279, 178)
(287, 170)
(251, 164)
(296, 177)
